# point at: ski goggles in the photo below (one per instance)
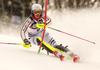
(37, 12)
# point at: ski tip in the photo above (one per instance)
(62, 58)
(76, 59)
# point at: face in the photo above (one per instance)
(37, 13)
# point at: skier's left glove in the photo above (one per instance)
(27, 44)
(40, 25)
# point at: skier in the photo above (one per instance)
(35, 33)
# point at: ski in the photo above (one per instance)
(59, 51)
(74, 57)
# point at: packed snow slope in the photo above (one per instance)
(82, 23)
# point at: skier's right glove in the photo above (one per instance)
(27, 44)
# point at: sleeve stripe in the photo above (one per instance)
(23, 27)
(46, 20)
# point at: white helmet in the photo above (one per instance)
(36, 7)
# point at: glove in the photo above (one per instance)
(40, 25)
(26, 42)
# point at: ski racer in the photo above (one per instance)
(35, 33)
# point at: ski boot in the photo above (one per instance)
(67, 53)
(59, 55)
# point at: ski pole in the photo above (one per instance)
(70, 35)
(42, 25)
(23, 44)
(12, 43)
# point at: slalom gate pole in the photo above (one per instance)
(70, 34)
(44, 26)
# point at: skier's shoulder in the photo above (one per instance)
(43, 16)
(30, 18)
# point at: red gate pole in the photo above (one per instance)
(44, 26)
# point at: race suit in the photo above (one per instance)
(34, 32)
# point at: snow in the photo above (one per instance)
(83, 23)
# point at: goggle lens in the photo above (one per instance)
(37, 12)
